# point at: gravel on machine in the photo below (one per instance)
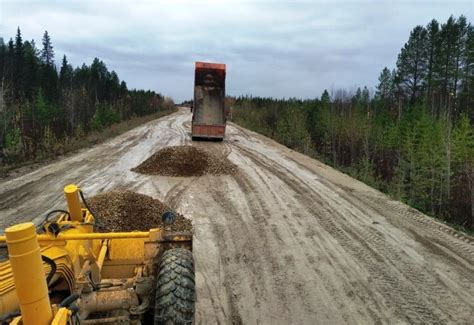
(129, 211)
(185, 161)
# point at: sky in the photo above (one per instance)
(272, 48)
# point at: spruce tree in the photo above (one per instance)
(385, 89)
(325, 98)
(47, 53)
(9, 67)
(3, 58)
(65, 74)
(30, 69)
(48, 71)
(365, 97)
(18, 66)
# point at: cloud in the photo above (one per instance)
(272, 48)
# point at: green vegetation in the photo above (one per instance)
(414, 139)
(73, 144)
(43, 112)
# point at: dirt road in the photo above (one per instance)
(287, 240)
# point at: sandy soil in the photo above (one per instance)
(285, 240)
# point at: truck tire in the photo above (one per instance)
(175, 288)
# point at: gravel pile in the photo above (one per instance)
(128, 211)
(185, 161)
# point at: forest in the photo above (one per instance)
(43, 108)
(412, 137)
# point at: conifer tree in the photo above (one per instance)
(47, 53)
(385, 88)
(65, 74)
(463, 159)
(325, 98)
(30, 70)
(8, 71)
(18, 62)
(446, 63)
(412, 64)
(432, 45)
(3, 58)
(466, 95)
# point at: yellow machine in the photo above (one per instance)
(72, 275)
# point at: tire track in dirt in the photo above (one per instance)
(410, 217)
(430, 284)
(376, 257)
(251, 240)
(297, 236)
(285, 240)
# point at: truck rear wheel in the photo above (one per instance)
(175, 288)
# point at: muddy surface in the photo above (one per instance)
(283, 240)
(185, 161)
(129, 211)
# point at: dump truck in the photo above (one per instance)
(70, 273)
(209, 114)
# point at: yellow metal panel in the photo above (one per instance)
(8, 300)
(28, 273)
(123, 249)
(70, 235)
(61, 317)
(16, 321)
(74, 206)
(118, 271)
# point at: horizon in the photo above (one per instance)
(279, 50)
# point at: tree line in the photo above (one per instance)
(43, 107)
(413, 138)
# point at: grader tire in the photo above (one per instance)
(175, 288)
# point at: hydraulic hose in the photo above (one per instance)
(4, 319)
(96, 218)
(69, 300)
(52, 264)
(48, 215)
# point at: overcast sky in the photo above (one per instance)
(271, 48)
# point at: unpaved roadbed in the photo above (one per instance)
(283, 240)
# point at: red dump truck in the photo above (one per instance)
(209, 115)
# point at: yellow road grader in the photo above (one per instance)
(72, 274)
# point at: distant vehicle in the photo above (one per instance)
(209, 114)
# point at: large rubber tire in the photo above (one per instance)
(175, 288)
